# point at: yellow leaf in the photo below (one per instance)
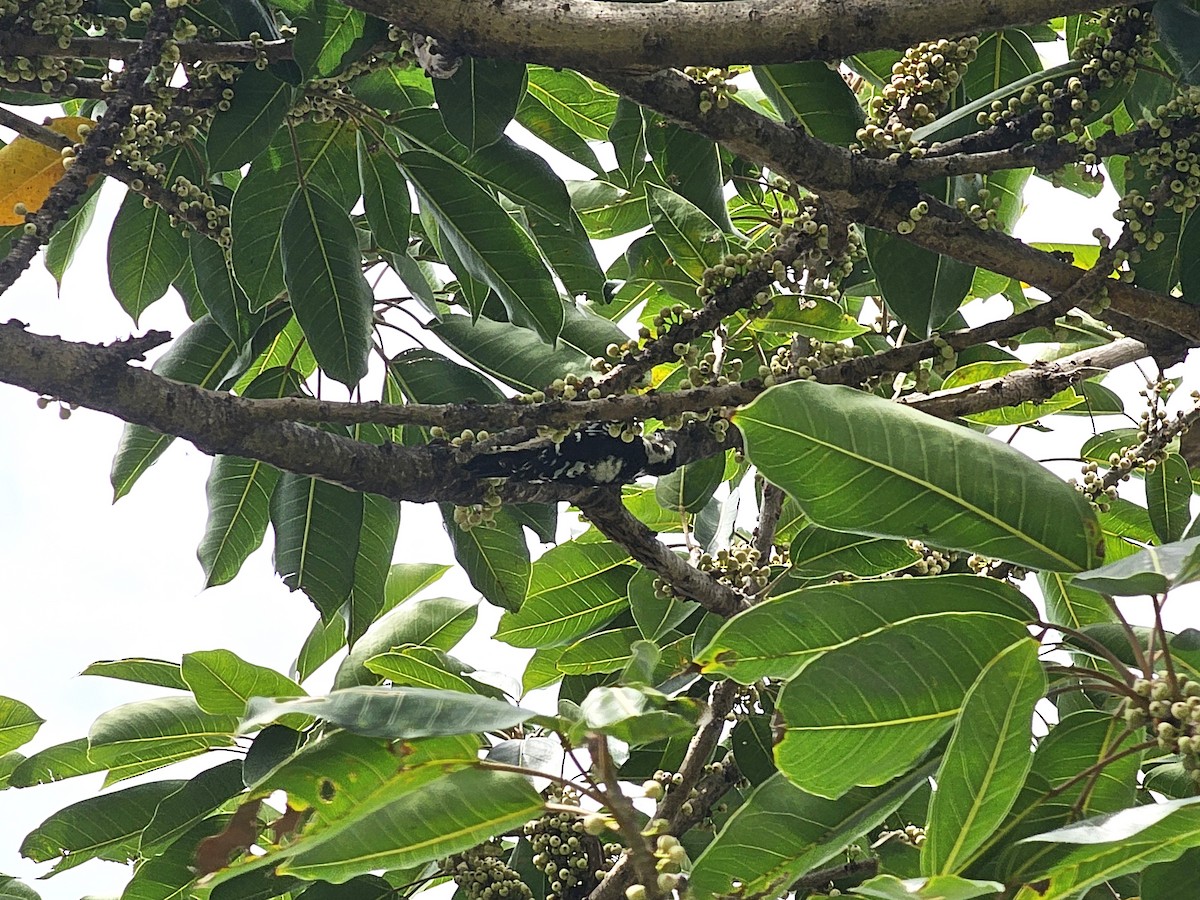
(28, 170)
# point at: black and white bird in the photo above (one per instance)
(589, 455)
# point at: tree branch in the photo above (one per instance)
(616, 36)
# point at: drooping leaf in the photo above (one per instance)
(495, 557)
(223, 297)
(322, 270)
(385, 195)
(18, 724)
(1168, 497)
(920, 286)
(491, 245)
(858, 463)
(480, 99)
(316, 525)
(60, 251)
(694, 240)
(198, 797)
(203, 356)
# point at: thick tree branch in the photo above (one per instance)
(858, 189)
(616, 36)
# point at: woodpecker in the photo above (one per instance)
(588, 455)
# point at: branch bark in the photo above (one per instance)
(617, 36)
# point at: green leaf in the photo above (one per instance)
(400, 713)
(239, 494)
(604, 651)
(1116, 844)
(1168, 497)
(198, 797)
(1154, 570)
(815, 317)
(586, 107)
(571, 254)
(140, 670)
(223, 297)
(691, 164)
(517, 356)
(815, 96)
(445, 816)
(1069, 604)
(372, 566)
(606, 210)
(1179, 30)
(572, 589)
(326, 37)
(921, 287)
(50, 764)
(103, 827)
(858, 463)
(782, 832)
(393, 88)
(491, 245)
(316, 526)
(1003, 57)
(627, 133)
(878, 703)
(636, 716)
(819, 553)
(385, 195)
(654, 615)
(495, 557)
(322, 270)
(241, 132)
(480, 99)
(691, 237)
(323, 155)
(18, 724)
(985, 764)
(438, 622)
(1017, 414)
(153, 733)
(223, 682)
(539, 121)
(202, 355)
(1189, 260)
(421, 667)
(145, 252)
(781, 636)
(60, 251)
(12, 889)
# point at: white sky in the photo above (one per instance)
(82, 579)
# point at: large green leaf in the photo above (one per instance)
(372, 566)
(60, 250)
(325, 34)
(146, 734)
(985, 764)
(316, 526)
(239, 494)
(145, 251)
(385, 195)
(572, 589)
(446, 816)
(586, 107)
(1154, 570)
(820, 553)
(1003, 57)
(878, 703)
(921, 287)
(858, 463)
(65, 760)
(202, 794)
(782, 832)
(480, 99)
(541, 122)
(421, 667)
(815, 96)
(401, 713)
(241, 132)
(1168, 497)
(325, 157)
(322, 269)
(140, 670)
(439, 622)
(693, 239)
(202, 355)
(514, 355)
(1116, 844)
(781, 636)
(223, 682)
(223, 297)
(104, 827)
(490, 244)
(18, 724)
(495, 557)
